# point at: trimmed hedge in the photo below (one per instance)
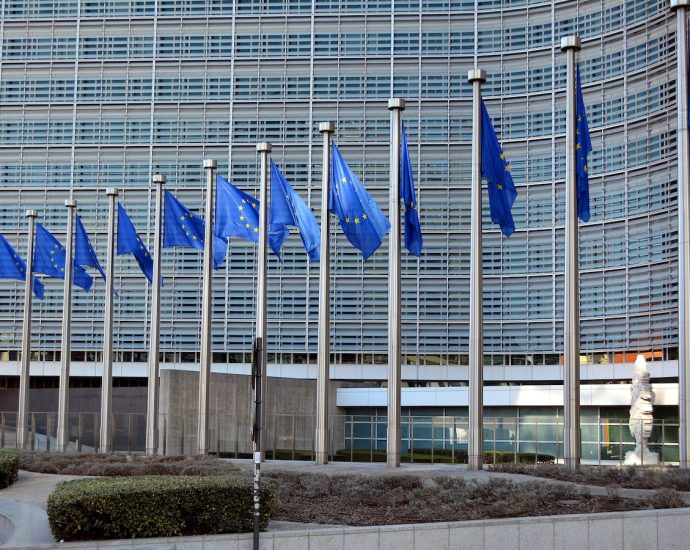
(154, 506)
(9, 467)
(442, 456)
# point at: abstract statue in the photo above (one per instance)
(641, 419)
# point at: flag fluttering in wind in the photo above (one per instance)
(360, 217)
(583, 146)
(495, 169)
(49, 259)
(13, 266)
(84, 254)
(237, 215)
(413, 231)
(181, 227)
(129, 242)
(288, 209)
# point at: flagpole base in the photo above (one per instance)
(393, 460)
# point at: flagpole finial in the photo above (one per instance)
(158, 178)
(263, 147)
(476, 74)
(396, 103)
(572, 42)
(71, 203)
(327, 127)
(675, 4)
(30, 213)
(210, 163)
(112, 191)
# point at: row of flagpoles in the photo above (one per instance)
(230, 212)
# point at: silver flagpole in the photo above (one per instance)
(65, 350)
(22, 427)
(259, 348)
(571, 335)
(154, 338)
(681, 9)
(264, 149)
(475, 440)
(107, 383)
(396, 106)
(206, 313)
(323, 346)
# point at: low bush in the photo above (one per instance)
(443, 456)
(119, 464)
(9, 467)
(154, 506)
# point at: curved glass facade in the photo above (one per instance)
(107, 93)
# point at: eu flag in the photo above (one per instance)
(237, 213)
(583, 145)
(361, 219)
(49, 259)
(181, 227)
(288, 208)
(84, 254)
(129, 242)
(495, 169)
(413, 231)
(12, 266)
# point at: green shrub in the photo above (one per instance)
(442, 456)
(154, 506)
(9, 467)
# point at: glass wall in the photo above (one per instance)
(107, 93)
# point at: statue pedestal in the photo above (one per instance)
(633, 458)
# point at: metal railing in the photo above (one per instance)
(434, 439)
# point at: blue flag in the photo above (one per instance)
(288, 208)
(49, 259)
(181, 227)
(129, 242)
(12, 266)
(237, 213)
(413, 231)
(495, 169)
(583, 146)
(84, 254)
(361, 219)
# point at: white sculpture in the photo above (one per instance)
(641, 419)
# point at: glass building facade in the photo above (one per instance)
(95, 94)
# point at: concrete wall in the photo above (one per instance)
(230, 417)
(642, 530)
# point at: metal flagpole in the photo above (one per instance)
(323, 346)
(206, 314)
(154, 337)
(22, 428)
(681, 9)
(65, 350)
(259, 355)
(107, 384)
(571, 335)
(475, 438)
(396, 106)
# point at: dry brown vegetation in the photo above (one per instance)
(606, 476)
(358, 500)
(86, 464)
